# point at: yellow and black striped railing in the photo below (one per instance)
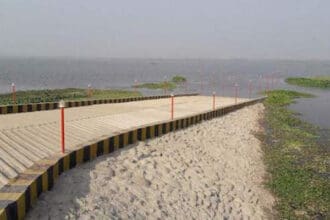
(17, 197)
(32, 107)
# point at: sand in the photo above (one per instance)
(212, 170)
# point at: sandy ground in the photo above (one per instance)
(212, 170)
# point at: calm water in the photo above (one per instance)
(204, 76)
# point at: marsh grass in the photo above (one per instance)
(297, 162)
(317, 82)
(168, 85)
(39, 96)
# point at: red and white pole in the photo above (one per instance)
(62, 106)
(213, 100)
(172, 106)
(13, 89)
(236, 92)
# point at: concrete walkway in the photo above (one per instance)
(28, 137)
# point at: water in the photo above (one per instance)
(204, 76)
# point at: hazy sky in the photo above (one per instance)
(294, 29)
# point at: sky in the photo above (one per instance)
(219, 29)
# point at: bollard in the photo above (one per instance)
(172, 106)
(13, 88)
(62, 106)
(213, 101)
(236, 92)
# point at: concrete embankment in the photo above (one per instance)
(212, 170)
(124, 125)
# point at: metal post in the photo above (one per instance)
(236, 92)
(260, 83)
(135, 85)
(172, 106)
(13, 88)
(62, 106)
(89, 93)
(213, 100)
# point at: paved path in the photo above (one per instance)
(28, 137)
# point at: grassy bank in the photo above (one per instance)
(168, 85)
(316, 82)
(37, 96)
(296, 161)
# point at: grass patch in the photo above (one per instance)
(39, 96)
(169, 85)
(178, 79)
(159, 85)
(296, 160)
(316, 82)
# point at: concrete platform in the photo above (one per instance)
(29, 137)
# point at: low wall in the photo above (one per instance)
(32, 107)
(17, 197)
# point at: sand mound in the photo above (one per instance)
(212, 170)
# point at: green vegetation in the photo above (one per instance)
(37, 96)
(296, 159)
(178, 79)
(160, 85)
(317, 82)
(169, 85)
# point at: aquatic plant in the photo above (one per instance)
(317, 82)
(297, 161)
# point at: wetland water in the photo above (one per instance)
(204, 76)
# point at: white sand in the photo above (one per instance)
(212, 170)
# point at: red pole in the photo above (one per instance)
(13, 88)
(213, 100)
(62, 105)
(172, 106)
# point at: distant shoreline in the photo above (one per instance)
(322, 82)
(55, 95)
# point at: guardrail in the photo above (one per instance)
(17, 197)
(44, 106)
